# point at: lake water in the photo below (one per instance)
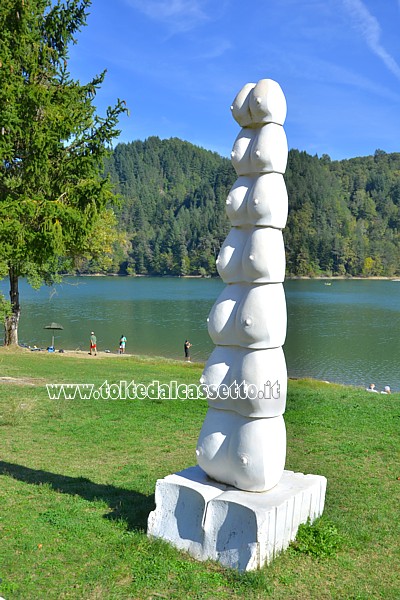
(346, 332)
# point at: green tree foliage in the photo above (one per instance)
(344, 216)
(52, 144)
(173, 205)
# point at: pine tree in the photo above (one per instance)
(52, 144)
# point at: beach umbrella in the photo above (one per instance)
(53, 326)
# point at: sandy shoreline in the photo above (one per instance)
(100, 354)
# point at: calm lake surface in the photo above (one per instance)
(347, 332)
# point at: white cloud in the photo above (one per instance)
(214, 49)
(179, 15)
(370, 29)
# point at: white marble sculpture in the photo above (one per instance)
(211, 510)
(243, 439)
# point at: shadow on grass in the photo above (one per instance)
(128, 505)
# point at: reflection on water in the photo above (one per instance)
(347, 332)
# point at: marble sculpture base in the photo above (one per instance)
(241, 530)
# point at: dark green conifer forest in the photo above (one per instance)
(344, 216)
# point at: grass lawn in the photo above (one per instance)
(77, 481)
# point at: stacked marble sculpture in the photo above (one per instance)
(240, 506)
(243, 439)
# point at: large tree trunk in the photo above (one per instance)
(11, 322)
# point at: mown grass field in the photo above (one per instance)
(77, 481)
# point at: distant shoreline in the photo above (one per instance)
(287, 278)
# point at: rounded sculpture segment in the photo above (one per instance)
(249, 316)
(257, 104)
(260, 151)
(252, 254)
(243, 439)
(252, 383)
(260, 200)
(246, 453)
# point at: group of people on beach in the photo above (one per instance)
(93, 344)
(122, 345)
(372, 388)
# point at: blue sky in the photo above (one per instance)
(179, 64)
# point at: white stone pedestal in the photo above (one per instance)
(241, 530)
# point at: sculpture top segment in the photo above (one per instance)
(257, 104)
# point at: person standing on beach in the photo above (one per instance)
(187, 346)
(93, 344)
(122, 344)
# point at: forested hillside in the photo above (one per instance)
(172, 210)
(344, 216)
